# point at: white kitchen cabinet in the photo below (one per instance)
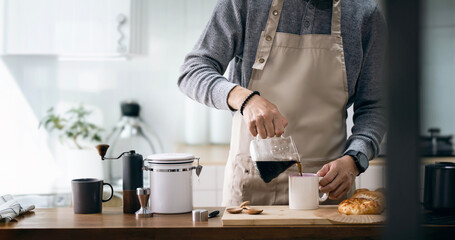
(71, 27)
(28, 26)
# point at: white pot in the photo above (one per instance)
(171, 189)
(84, 163)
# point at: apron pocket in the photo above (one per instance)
(252, 187)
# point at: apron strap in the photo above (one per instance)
(336, 17)
(265, 43)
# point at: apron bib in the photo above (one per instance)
(305, 77)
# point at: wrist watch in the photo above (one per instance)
(360, 159)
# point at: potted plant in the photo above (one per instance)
(78, 135)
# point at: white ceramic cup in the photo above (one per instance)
(304, 192)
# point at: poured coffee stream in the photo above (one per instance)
(268, 170)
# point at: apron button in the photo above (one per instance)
(268, 38)
(275, 13)
(261, 60)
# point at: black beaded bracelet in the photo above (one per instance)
(248, 99)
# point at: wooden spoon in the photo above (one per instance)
(244, 204)
(234, 210)
(253, 211)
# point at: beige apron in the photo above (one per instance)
(305, 76)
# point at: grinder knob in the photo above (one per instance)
(102, 149)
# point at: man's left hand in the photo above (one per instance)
(338, 177)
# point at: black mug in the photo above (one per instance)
(88, 195)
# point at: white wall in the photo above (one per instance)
(438, 61)
(171, 29)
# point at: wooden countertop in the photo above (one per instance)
(62, 223)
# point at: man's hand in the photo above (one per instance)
(261, 116)
(338, 177)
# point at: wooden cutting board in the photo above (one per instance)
(282, 215)
(278, 215)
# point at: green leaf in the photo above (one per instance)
(96, 138)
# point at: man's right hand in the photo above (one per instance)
(261, 116)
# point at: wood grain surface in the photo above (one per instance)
(62, 223)
(277, 215)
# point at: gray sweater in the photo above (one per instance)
(232, 36)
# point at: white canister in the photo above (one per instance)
(171, 189)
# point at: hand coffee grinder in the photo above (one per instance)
(132, 164)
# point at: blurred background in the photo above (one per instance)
(64, 54)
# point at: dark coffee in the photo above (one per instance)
(268, 170)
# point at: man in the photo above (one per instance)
(297, 65)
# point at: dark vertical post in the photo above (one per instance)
(403, 77)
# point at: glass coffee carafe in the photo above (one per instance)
(130, 133)
(272, 156)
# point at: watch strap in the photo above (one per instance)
(356, 155)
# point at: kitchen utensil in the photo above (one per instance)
(170, 181)
(132, 176)
(439, 187)
(214, 214)
(143, 195)
(130, 133)
(272, 156)
(304, 192)
(200, 215)
(253, 210)
(234, 210)
(436, 144)
(244, 204)
(87, 195)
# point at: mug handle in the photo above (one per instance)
(112, 192)
(324, 195)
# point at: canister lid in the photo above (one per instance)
(442, 165)
(170, 158)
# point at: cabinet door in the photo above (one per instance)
(66, 27)
(29, 26)
(87, 27)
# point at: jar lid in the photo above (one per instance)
(170, 158)
(442, 165)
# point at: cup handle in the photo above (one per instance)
(324, 197)
(112, 192)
